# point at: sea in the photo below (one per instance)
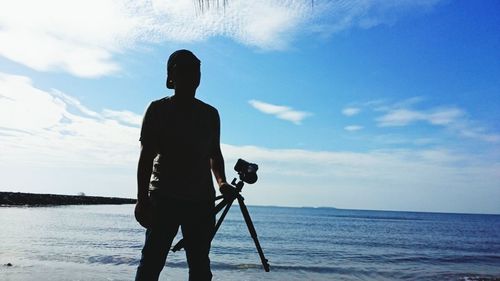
(103, 242)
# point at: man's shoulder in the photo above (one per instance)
(163, 104)
(160, 105)
(162, 101)
(205, 106)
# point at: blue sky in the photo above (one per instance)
(388, 105)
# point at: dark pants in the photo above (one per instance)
(197, 222)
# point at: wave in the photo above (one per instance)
(493, 259)
(216, 265)
(341, 271)
(474, 277)
(120, 260)
(113, 260)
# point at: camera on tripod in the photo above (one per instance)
(246, 171)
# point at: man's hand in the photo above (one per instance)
(228, 191)
(143, 213)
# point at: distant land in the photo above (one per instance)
(33, 199)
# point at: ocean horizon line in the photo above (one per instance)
(274, 206)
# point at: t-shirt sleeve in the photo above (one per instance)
(149, 129)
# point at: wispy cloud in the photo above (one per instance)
(353, 128)
(351, 111)
(84, 37)
(395, 139)
(473, 130)
(336, 16)
(123, 116)
(403, 117)
(452, 118)
(280, 111)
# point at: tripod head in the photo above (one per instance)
(238, 185)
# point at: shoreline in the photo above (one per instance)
(34, 199)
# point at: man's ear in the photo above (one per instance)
(173, 76)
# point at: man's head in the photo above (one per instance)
(183, 71)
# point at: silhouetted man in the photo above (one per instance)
(180, 145)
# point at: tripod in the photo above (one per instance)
(226, 205)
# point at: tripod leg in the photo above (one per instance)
(221, 205)
(253, 233)
(222, 216)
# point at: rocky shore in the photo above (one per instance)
(31, 199)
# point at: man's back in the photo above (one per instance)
(186, 134)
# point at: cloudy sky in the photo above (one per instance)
(386, 105)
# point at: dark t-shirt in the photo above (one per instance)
(186, 136)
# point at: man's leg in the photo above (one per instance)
(197, 230)
(158, 241)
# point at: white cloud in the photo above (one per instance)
(444, 116)
(35, 124)
(451, 118)
(351, 111)
(384, 105)
(336, 16)
(123, 116)
(403, 117)
(84, 37)
(52, 143)
(400, 117)
(79, 37)
(475, 131)
(390, 179)
(280, 111)
(353, 128)
(394, 139)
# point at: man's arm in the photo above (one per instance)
(217, 164)
(144, 169)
